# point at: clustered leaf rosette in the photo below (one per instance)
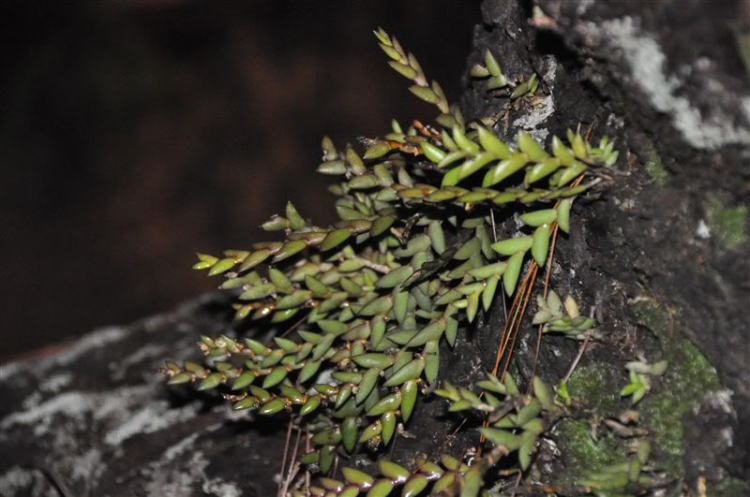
(640, 373)
(515, 421)
(557, 316)
(412, 259)
(630, 477)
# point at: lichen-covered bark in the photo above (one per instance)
(668, 233)
(97, 420)
(659, 252)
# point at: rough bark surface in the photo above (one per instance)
(660, 252)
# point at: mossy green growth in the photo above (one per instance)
(655, 167)
(596, 386)
(727, 223)
(689, 378)
(582, 453)
(726, 487)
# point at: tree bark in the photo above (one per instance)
(659, 251)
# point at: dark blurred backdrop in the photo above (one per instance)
(136, 132)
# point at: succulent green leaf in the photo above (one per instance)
(543, 393)
(211, 381)
(409, 392)
(356, 477)
(504, 169)
(493, 144)
(369, 380)
(432, 152)
(563, 214)
(246, 403)
(289, 249)
(222, 266)
(437, 236)
(334, 168)
(297, 222)
(179, 379)
(243, 380)
(371, 431)
(349, 432)
(327, 437)
(379, 306)
(513, 246)
(488, 294)
(528, 412)
(444, 482)
(388, 403)
(415, 486)
(373, 360)
(409, 371)
(468, 249)
(272, 407)
(510, 277)
(313, 402)
(323, 347)
(254, 259)
(472, 483)
(335, 238)
(451, 331)
(540, 245)
(530, 147)
(431, 355)
(538, 218)
(502, 437)
(388, 420)
(381, 224)
(426, 94)
(492, 65)
(397, 474)
(395, 277)
(309, 370)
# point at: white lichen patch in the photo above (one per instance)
(175, 475)
(10, 369)
(647, 63)
(703, 231)
(61, 422)
(69, 355)
(721, 400)
(20, 481)
(56, 382)
(117, 411)
(89, 466)
(534, 121)
(149, 419)
(150, 353)
(87, 343)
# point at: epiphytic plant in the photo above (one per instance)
(640, 378)
(414, 258)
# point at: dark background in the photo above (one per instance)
(135, 132)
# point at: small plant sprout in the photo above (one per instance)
(496, 80)
(640, 381)
(630, 477)
(558, 317)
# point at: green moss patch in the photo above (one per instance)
(582, 453)
(728, 224)
(689, 378)
(597, 387)
(728, 487)
(655, 168)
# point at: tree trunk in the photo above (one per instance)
(659, 252)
